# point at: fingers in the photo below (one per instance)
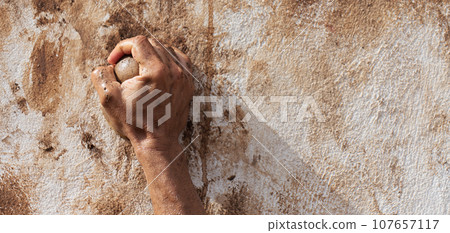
(183, 58)
(169, 58)
(160, 50)
(181, 55)
(105, 84)
(156, 62)
(141, 49)
(169, 54)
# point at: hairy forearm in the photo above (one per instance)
(166, 170)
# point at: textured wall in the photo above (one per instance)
(378, 71)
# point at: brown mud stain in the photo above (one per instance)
(49, 6)
(117, 163)
(205, 74)
(358, 23)
(52, 7)
(130, 21)
(230, 140)
(43, 88)
(284, 19)
(94, 46)
(122, 197)
(5, 26)
(88, 142)
(5, 23)
(14, 198)
(47, 142)
(15, 87)
(236, 201)
(20, 101)
(125, 20)
(110, 203)
(205, 124)
(444, 23)
(48, 145)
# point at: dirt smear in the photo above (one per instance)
(206, 121)
(110, 203)
(129, 21)
(49, 6)
(43, 88)
(5, 26)
(357, 23)
(236, 202)
(14, 199)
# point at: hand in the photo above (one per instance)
(158, 70)
(159, 152)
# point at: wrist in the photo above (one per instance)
(157, 154)
(146, 145)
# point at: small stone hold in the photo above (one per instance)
(126, 68)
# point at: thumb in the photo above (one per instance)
(105, 84)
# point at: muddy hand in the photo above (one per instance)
(160, 68)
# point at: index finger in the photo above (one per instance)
(139, 47)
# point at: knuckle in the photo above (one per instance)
(178, 71)
(185, 60)
(188, 60)
(140, 39)
(153, 42)
(100, 73)
(96, 73)
(100, 69)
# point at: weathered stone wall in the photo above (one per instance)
(378, 71)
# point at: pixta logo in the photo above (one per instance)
(306, 108)
(149, 107)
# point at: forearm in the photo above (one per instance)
(160, 70)
(166, 170)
